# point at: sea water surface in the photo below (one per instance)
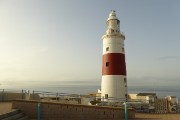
(81, 87)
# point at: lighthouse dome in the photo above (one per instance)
(112, 15)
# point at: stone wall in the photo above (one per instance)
(58, 111)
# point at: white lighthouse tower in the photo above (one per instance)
(114, 82)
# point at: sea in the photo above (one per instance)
(84, 88)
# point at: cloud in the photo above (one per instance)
(169, 58)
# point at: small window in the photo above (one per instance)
(125, 80)
(107, 49)
(107, 64)
(123, 49)
(106, 96)
(125, 85)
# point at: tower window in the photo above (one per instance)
(107, 49)
(123, 49)
(125, 80)
(106, 96)
(107, 64)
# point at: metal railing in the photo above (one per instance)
(53, 95)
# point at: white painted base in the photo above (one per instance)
(114, 86)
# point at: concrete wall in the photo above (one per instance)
(7, 96)
(58, 111)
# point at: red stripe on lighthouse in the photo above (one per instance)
(114, 64)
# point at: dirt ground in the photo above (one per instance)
(5, 107)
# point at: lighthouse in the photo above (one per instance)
(114, 81)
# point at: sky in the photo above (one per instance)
(48, 41)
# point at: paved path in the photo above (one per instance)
(5, 107)
(144, 116)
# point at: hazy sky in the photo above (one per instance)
(60, 40)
